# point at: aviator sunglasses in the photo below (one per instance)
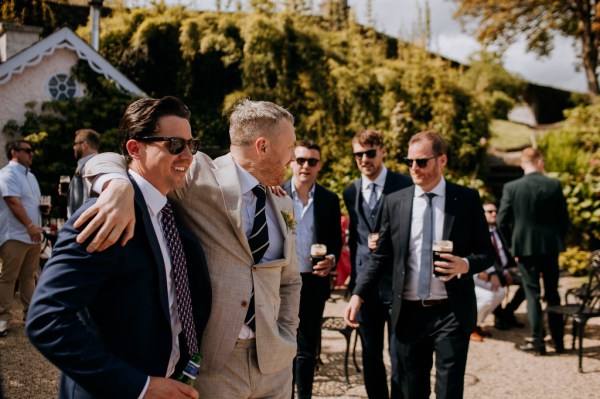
(176, 144)
(311, 161)
(421, 162)
(370, 153)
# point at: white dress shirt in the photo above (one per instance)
(17, 181)
(275, 250)
(155, 201)
(379, 183)
(305, 231)
(437, 288)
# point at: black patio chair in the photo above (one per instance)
(338, 324)
(582, 304)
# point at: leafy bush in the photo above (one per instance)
(575, 261)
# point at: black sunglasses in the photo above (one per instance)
(27, 150)
(176, 144)
(421, 162)
(370, 153)
(311, 161)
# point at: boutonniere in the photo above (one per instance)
(289, 220)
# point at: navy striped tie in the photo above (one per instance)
(259, 243)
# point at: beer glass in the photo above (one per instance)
(64, 184)
(441, 247)
(317, 253)
(45, 204)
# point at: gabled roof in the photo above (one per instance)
(65, 38)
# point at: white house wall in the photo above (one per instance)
(31, 86)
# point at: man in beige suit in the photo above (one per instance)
(244, 357)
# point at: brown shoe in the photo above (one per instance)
(475, 336)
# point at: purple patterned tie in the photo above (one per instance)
(180, 275)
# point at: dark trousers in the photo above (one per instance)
(531, 268)
(421, 332)
(373, 315)
(516, 300)
(312, 305)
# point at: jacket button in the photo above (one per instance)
(244, 304)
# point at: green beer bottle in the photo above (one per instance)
(191, 370)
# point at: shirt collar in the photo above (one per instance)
(19, 167)
(439, 190)
(247, 181)
(311, 192)
(154, 198)
(83, 160)
(380, 180)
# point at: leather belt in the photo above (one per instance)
(426, 303)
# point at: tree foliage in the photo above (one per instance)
(502, 22)
(336, 79)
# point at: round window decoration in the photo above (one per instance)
(62, 86)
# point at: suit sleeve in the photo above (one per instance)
(104, 163)
(336, 228)
(381, 258)
(562, 212)
(68, 285)
(289, 293)
(349, 200)
(505, 215)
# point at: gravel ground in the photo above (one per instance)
(495, 369)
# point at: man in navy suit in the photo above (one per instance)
(429, 315)
(124, 322)
(317, 212)
(364, 199)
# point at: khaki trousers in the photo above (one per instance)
(19, 261)
(240, 378)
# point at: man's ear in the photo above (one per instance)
(260, 146)
(133, 148)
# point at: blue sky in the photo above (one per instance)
(398, 18)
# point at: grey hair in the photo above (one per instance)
(251, 119)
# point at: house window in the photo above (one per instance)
(62, 86)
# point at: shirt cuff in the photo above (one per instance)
(459, 275)
(145, 388)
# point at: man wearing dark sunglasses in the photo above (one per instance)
(363, 199)
(431, 315)
(20, 229)
(317, 211)
(125, 322)
(248, 235)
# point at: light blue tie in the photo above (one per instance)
(373, 197)
(426, 248)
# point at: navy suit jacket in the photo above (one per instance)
(103, 318)
(328, 230)
(357, 238)
(464, 224)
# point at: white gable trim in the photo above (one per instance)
(65, 38)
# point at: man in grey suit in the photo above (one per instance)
(85, 146)
(533, 213)
(250, 341)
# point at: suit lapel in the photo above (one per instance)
(450, 210)
(155, 247)
(275, 203)
(406, 205)
(225, 173)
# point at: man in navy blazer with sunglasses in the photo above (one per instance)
(364, 199)
(429, 314)
(123, 323)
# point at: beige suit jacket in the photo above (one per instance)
(210, 205)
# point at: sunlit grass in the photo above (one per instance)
(509, 135)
